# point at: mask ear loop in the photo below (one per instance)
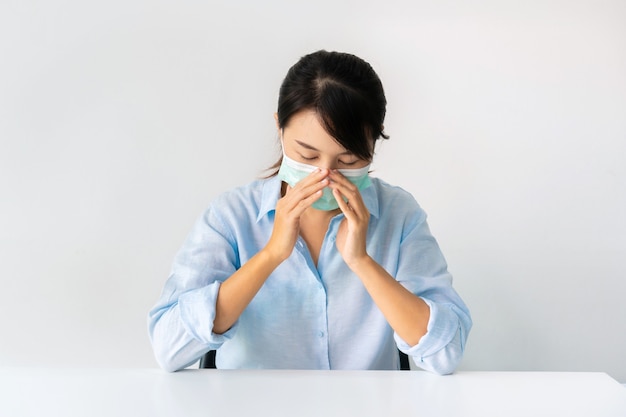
(282, 143)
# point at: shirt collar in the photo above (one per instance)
(269, 196)
(271, 193)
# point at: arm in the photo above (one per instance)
(207, 290)
(429, 319)
(237, 292)
(180, 324)
(406, 313)
(422, 270)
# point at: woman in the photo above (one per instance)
(318, 266)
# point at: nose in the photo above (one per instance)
(329, 164)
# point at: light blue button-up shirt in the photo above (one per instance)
(306, 316)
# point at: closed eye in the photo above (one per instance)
(349, 163)
(313, 158)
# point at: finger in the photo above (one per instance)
(295, 196)
(315, 182)
(335, 174)
(346, 186)
(305, 203)
(313, 178)
(344, 206)
(349, 190)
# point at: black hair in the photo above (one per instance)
(345, 93)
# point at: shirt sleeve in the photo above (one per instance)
(180, 325)
(423, 270)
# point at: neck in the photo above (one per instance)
(320, 215)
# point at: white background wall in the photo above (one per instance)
(121, 120)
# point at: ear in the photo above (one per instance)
(276, 120)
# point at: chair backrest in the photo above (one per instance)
(208, 361)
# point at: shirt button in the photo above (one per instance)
(321, 334)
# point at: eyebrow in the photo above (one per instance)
(307, 146)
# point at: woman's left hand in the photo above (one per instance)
(352, 234)
(407, 313)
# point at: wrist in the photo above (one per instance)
(271, 256)
(361, 264)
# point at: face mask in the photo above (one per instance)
(292, 172)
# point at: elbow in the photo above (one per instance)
(446, 369)
(439, 366)
(446, 360)
(165, 361)
(161, 341)
(168, 362)
(165, 357)
(168, 366)
(171, 357)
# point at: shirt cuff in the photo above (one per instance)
(443, 325)
(197, 312)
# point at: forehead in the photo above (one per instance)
(305, 127)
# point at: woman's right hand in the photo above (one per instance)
(289, 208)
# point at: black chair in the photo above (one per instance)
(208, 361)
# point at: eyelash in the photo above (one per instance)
(315, 157)
(349, 163)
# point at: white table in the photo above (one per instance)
(154, 393)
